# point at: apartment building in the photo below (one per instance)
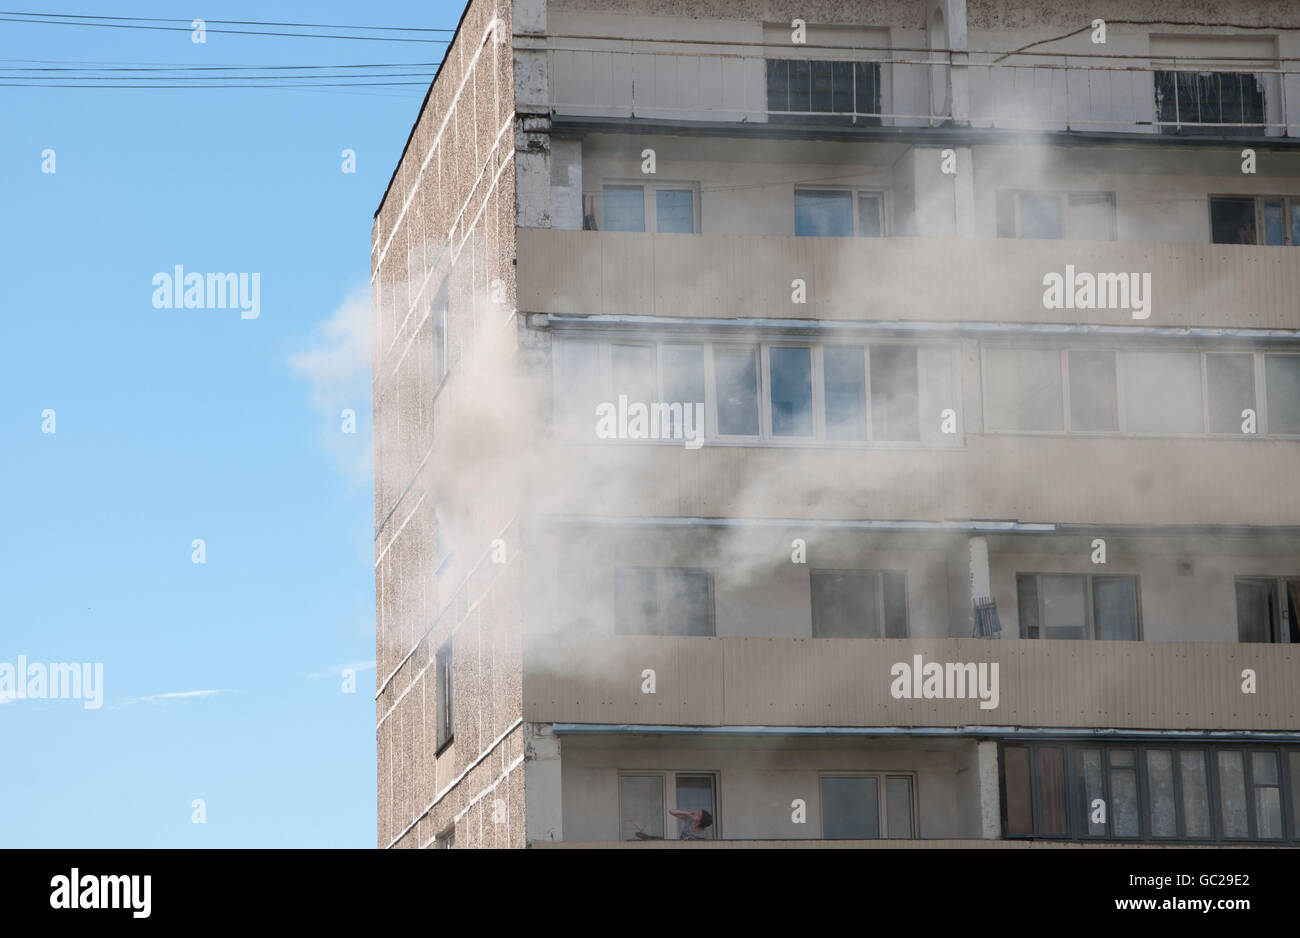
(842, 423)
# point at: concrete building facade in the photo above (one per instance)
(868, 423)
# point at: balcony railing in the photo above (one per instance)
(854, 682)
(717, 81)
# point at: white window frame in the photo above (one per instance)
(855, 195)
(1259, 376)
(1063, 197)
(878, 573)
(882, 804)
(1089, 612)
(651, 202)
(668, 779)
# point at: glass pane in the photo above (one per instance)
(1295, 222)
(683, 367)
(624, 208)
(641, 806)
(737, 377)
(898, 806)
(1027, 604)
(791, 391)
(1295, 794)
(1091, 216)
(1196, 795)
(1268, 813)
(636, 601)
(800, 87)
(1263, 766)
(577, 388)
(895, 584)
(1274, 222)
(850, 808)
(632, 369)
(1064, 607)
(1282, 379)
(1051, 778)
(895, 402)
(687, 601)
(1230, 381)
(695, 793)
(1020, 818)
(1093, 791)
(1114, 608)
(842, 87)
(1092, 391)
(1024, 389)
(866, 77)
(823, 213)
(1232, 795)
(846, 392)
(675, 211)
(1040, 215)
(1256, 600)
(1232, 221)
(821, 87)
(1160, 784)
(844, 605)
(871, 215)
(1124, 801)
(778, 78)
(1006, 214)
(1162, 392)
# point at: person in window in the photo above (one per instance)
(699, 821)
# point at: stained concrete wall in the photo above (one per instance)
(447, 223)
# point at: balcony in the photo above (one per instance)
(847, 683)
(931, 279)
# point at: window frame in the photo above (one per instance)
(650, 202)
(1259, 377)
(1289, 203)
(1063, 200)
(784, 53)
(855, 194)
(660, 595)
(882, 777)
(881, 612)
(668, 783)
(444, 689)
(1280, 604)
(710, 344)
(1089, 611)
(1075, 797)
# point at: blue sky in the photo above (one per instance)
(178, 424)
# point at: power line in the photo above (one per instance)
(8, 18)
(165, 19)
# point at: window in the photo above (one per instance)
(1076, 216)
(737, 377)
(1078, 607)
(1261, 617)
(446, 840)
(1023, 389)
(770, 391)
(859, 604)
(644, 815)
(1282, 385)
(791, 390)
(663, 601)
(823, 91)
(438, 316)
(641, 807)
(1149, 793)
(1093, 404)
(1271, 220)
(444, 682)
(1162, 392)
(1234, 99)
(666, 208)
(861, 807)
(1230, 389)
(839, 213)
